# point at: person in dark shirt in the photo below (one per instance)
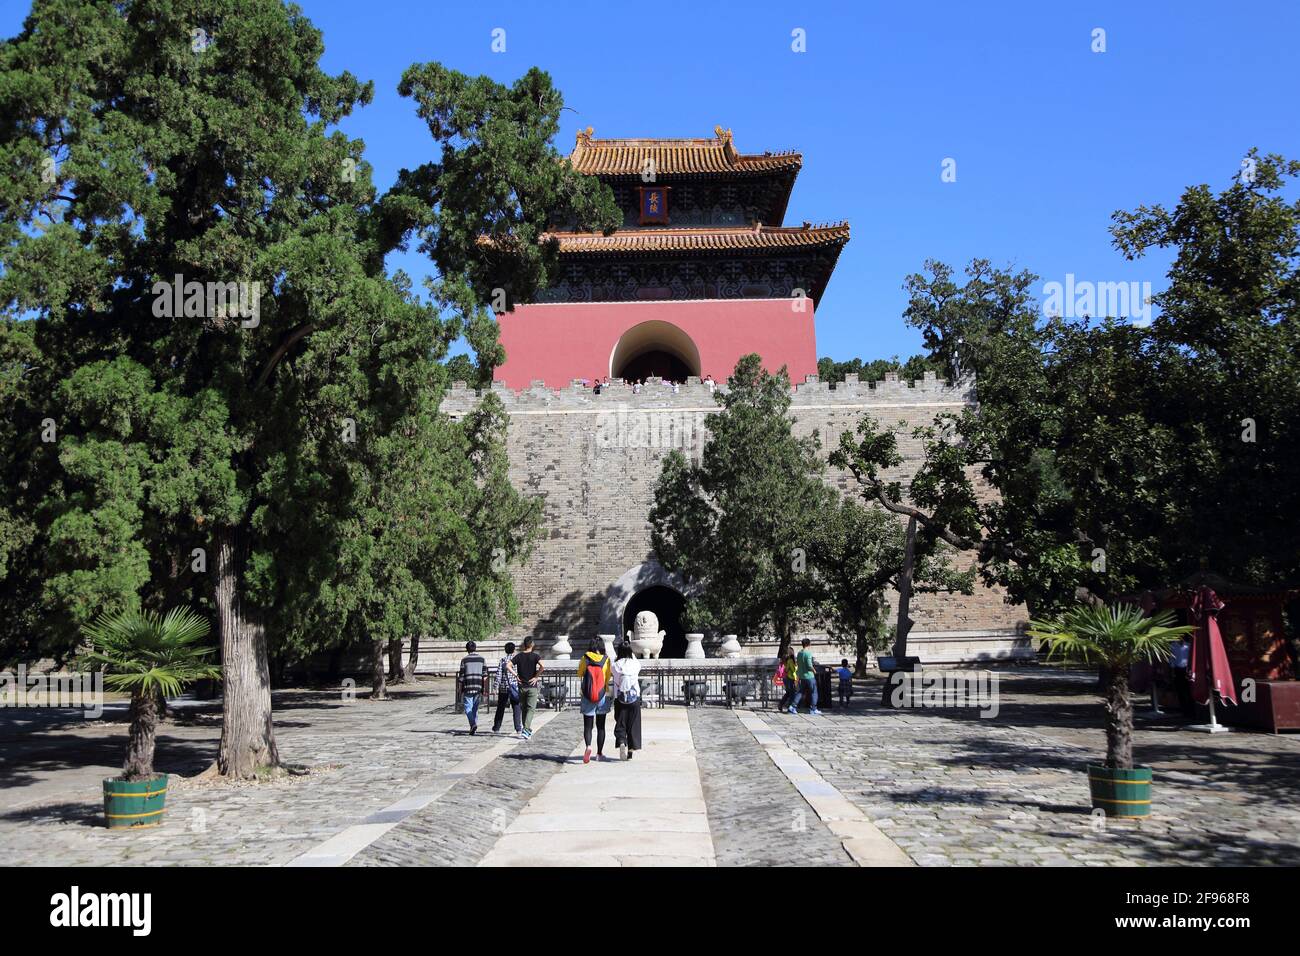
(528, 667)
(507, 691)
(473, 671)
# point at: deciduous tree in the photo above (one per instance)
(739, 522)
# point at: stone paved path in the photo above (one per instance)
(461, 826)
(410, 786)
(348, 843)
(371, 753)
(862, 839)
(951, 788)
(756, 815)
(648, 811)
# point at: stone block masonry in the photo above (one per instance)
(594, 459)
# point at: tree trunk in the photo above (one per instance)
(247, 734)
(413, 659)
(395, 674)
(1119, 720)
(173, 590)
(860, 649)
(141, 737)
(905, 594)
(379, 686)
(782, 628)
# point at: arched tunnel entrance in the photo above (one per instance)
(654, 348)
(655, 362)
(667, 604)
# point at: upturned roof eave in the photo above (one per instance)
(834, 247)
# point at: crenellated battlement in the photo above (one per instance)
(695, 395)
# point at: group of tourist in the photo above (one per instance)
(598, 384)
(607, 685)
(798, 675)
(604, 684)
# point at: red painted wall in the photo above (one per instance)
(558, 343)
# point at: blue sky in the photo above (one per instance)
(1049, 138)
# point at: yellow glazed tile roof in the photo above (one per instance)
(704, 239)
(675, 157)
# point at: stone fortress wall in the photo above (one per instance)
(594, 459)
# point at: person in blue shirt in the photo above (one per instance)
(846, 682)
(1181, 659)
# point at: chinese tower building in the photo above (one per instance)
(701, 272)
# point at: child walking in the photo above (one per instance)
(846, 682)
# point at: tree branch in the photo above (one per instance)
(289, 341)
(875, 488)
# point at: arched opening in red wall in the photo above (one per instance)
(654, 348)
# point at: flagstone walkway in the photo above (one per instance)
(343, 846)
(952, 788)
(403, 783)
(648, 811)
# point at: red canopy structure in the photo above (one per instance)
(1251, 624)
(1256, 671)
(1209, 665)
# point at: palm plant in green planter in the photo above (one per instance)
(150, 657)
(1114, 637)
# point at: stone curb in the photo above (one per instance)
(346, 844)
(862, 839)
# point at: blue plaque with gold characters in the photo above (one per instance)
(654, 205)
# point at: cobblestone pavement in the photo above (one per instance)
(463, 824)
(945, 785)
(756, 816)
(951, 788)
(51, 808)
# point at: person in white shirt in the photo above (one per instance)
(627, 701)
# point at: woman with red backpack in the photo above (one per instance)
(593, 699)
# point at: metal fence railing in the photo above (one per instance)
(663, 684)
